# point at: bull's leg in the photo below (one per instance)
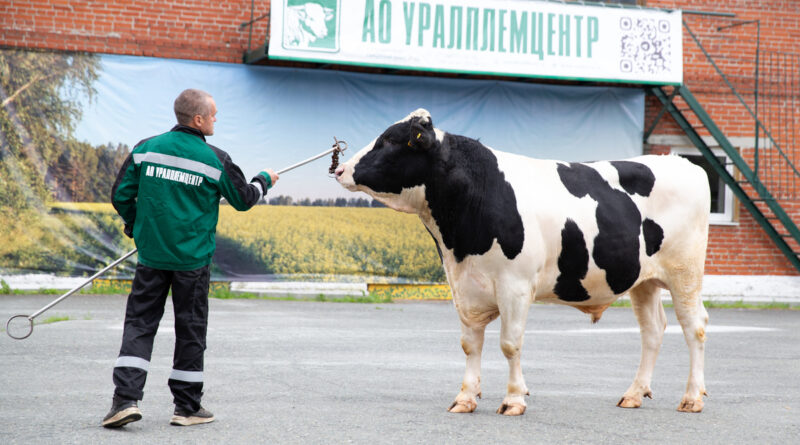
(652, 322)
(472, 344)
(513, 315)
(693, 317)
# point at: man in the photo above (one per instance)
(168, 193)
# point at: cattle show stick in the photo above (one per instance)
(19, 332)
(336, 149)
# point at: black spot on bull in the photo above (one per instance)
(616, 246)
(469, 198)
(573, 264)
(653, 235)
(635, 177)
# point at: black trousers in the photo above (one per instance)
(143, 313)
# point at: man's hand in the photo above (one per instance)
(272, 176)
(128, 231)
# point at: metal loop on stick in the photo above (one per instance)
(14, 329)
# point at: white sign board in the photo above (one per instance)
(502, 37)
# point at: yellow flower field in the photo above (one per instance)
(334, 241)
(287, 242)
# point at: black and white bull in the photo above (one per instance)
(512, 230)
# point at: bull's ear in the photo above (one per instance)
(421, 135)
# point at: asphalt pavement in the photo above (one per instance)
(329, 373)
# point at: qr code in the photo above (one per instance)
(645, 46)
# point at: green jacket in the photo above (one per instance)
(168, 191)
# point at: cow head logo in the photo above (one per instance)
(311, 25)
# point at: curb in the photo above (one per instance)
(756, 289)
(299, 288)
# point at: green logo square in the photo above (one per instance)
(311, 25)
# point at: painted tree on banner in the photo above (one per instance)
(40, 96)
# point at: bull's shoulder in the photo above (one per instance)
(471, 201)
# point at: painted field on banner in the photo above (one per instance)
(505, 37)
(292, 243)
(327, 244)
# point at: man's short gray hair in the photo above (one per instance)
(190, 103)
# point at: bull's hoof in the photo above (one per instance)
(629, 402)
(691, 405)
(463, 406)
(633, 401)
(511, 409)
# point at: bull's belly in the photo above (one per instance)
(598, 290)
(599, 298)
(480, 283)
(477, 300)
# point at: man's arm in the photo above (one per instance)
(124, 192)
(239, 193)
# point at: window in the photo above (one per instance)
(721, 195)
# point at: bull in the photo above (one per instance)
(511, 230)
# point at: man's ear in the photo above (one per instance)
(421, 135)
(197, 121)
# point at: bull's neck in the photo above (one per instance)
(460, 174)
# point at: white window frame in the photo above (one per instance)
(728, 216)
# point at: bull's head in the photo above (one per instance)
(395, 167)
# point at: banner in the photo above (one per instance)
(68, 122)
(504, 38)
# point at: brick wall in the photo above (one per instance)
(182, 29)
(210, 31)
(745, 248)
